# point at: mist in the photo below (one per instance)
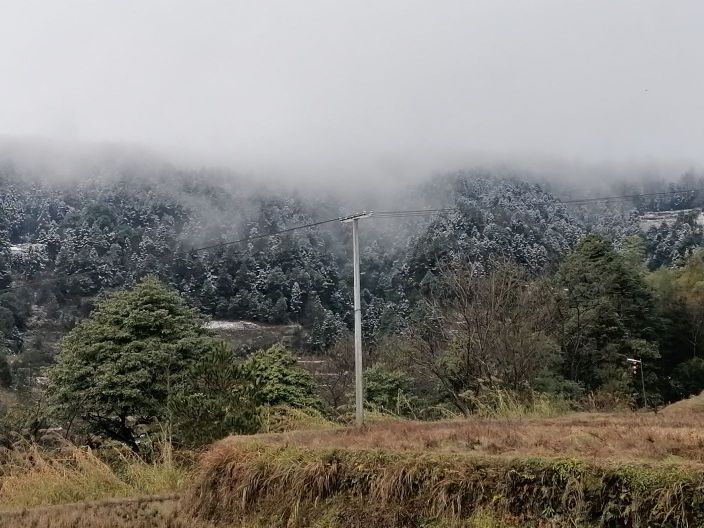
(344, 92)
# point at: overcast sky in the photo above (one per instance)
(382, 87)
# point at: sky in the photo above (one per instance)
(345, 89)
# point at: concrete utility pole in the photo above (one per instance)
(358, 382)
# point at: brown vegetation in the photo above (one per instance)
(31, 476)
(286, 486)
(148, 512)
(485, 331)
(645, 437)
(686, 408)
(637, 470)
(581, 470)
(161, 512)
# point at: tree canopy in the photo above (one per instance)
(608, 314)
(115, 370)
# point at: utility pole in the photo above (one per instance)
(358, 382)
(637, 364)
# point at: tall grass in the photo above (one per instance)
(284, 418)
(345, 488)
(502, 403)
(150, 513)
(31, 476)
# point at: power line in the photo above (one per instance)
(380, 214)
(39, 282)
(431, 212)
(628, 196)
(259, 237)
(414, 212)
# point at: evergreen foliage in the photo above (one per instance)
(615, 289)
(216, 397)
(5, 371)
(388, 389)
(609, 314)
(279, 380)
(116, 369)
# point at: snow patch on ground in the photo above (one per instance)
(231, 325)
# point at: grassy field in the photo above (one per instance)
(634, 470)
(648, 437)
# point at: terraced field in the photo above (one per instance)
(586, 470)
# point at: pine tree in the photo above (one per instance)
(115, 370)
(215, 398)
(296, 298)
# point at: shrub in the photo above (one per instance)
(278, 380)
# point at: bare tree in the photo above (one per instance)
(335, 376)
(486, 330)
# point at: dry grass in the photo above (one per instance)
(508, 404)
(690, 406)
(284, 418)
(345, 488)
(152, 512)
(631, 469)
(582, 470)
(165, 512)
(31, 476)
(650, 437)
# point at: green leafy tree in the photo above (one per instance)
(688, 378)
(685, 287)
(680, 293)
(608, 313)
(116, 369)
(215, 398)
(279, 380)
(634, 253)
(388, 389)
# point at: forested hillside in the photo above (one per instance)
(63, 242)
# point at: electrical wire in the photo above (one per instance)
(628, 196)
(267, 235)
(38, 282)
(432, 212)
(380, 214)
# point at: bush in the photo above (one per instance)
(502, 403)
(389, 390)
(215, 399)
(688, 378)
(278, 380)
(284, 418)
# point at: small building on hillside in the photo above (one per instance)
(657, 218)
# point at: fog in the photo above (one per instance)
(360, 90)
